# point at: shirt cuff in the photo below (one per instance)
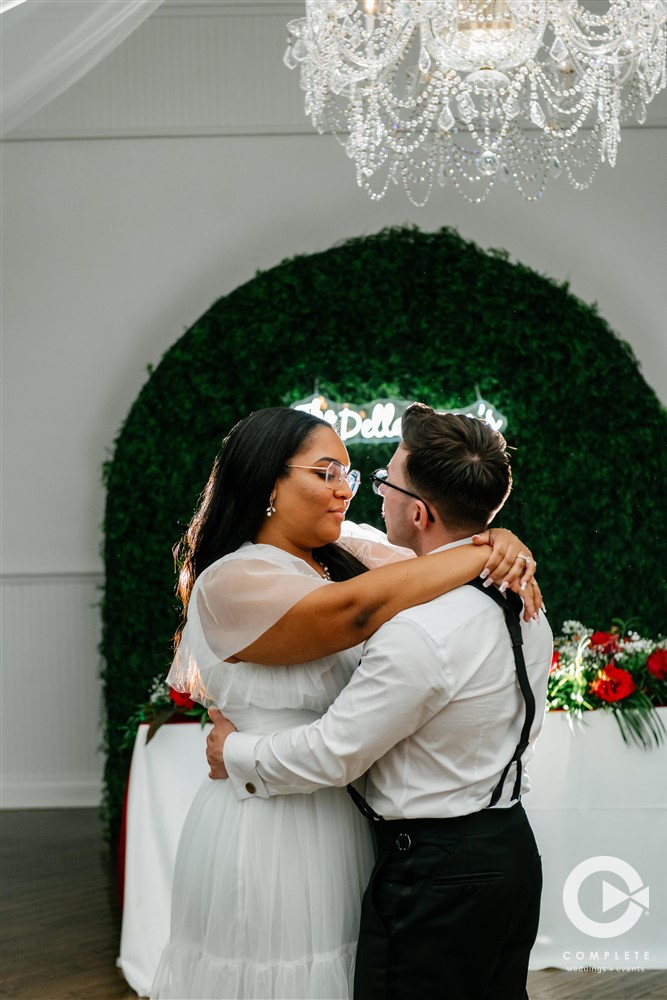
(239, 757)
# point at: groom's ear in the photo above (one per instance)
(420, 519)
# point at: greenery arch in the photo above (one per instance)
(415, 315)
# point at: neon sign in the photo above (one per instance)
(379, 422)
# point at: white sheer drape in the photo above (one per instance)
(47, 45)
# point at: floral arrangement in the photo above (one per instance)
(164, 705)
(618, 671)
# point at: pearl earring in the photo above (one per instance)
(270, 509)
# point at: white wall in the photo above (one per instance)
(113, 246)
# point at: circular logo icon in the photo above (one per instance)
(636, 897)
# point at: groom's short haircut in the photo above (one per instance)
(457, 463)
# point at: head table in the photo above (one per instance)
(598, 809)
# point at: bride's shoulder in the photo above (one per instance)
(253, 558)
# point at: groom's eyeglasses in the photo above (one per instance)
(380, 481)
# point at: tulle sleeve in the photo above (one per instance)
(370, 545)
(240, 599)
(235, 601)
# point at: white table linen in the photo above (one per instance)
(593, 796)
(164, 777)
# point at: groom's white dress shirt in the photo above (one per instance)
(433, 713)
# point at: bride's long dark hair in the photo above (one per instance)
(233, 505)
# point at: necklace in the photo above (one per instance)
(325, 570)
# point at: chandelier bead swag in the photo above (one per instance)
(471, 92)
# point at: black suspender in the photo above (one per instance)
(512, 607)
(363, 806)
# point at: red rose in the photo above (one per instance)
(555, 660)
(181, 698)
(605, 641)
(613, 684)
(657, 664)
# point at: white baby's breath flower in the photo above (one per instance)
(159, 690)
(572, 627)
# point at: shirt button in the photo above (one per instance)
(250, 788)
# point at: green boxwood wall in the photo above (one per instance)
(422, 316)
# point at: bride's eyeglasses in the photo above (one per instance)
(334, 474)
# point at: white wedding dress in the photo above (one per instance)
(267, 892)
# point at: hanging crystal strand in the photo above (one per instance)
(356, 141)
(537, 115)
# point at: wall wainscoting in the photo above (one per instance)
(51, 690)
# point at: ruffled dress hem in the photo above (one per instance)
(209, 977)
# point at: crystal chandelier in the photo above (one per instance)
(470, 92)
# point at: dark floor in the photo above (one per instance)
(60, 920)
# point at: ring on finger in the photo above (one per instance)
(526, 559)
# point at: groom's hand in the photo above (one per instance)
(215, 743)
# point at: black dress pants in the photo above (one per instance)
(451, 909)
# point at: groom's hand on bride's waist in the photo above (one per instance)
(215, 743)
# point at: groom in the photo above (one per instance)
(442, 712)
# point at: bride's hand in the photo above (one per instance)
(511, 566)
